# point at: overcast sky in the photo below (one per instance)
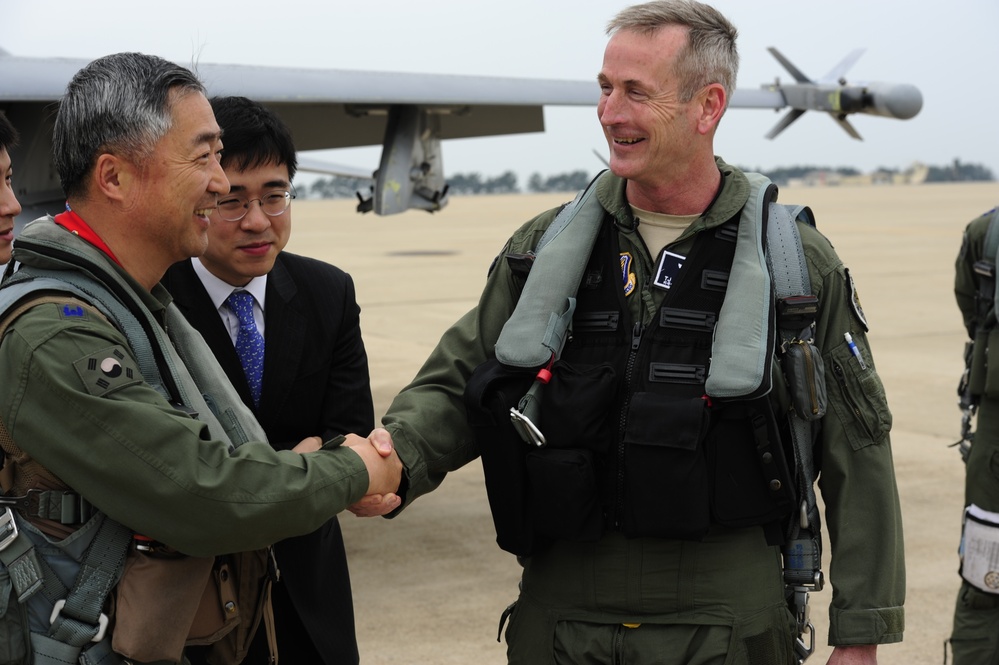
(947, 49)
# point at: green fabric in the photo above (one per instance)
(428, 424)
(975, 635)
(140, 460)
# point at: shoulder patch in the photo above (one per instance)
(628, 278)
(72, 310)
(107, 370)
(854, 298)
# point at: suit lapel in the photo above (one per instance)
(284, 334)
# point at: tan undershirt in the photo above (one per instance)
(658, 229)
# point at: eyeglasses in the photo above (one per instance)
(234, 208)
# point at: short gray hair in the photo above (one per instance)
(118, 104)
(710, 55)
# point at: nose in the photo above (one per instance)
(219, 183)
(9, 207)
(255, 219)
(608, 108)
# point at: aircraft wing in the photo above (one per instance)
(409, 114)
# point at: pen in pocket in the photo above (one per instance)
(854, 350)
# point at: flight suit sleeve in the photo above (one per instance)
(965, 279)
(857, 476)
(427, 420)
(73, 399)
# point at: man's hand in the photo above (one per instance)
(866, 654)
(384, 471)
(376, 504)
(308, 445)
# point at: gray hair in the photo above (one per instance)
(119, 104)
(710, 55)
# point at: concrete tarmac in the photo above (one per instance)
(429, 586)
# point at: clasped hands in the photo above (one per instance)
(384, 470)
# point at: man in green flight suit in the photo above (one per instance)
(110, 401)
(644, 536)
(975, 636)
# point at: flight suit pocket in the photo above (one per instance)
(861, 406)
(665, 474)
(991, 366)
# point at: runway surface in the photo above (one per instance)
(429, 586)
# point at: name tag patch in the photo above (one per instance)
(669, 268)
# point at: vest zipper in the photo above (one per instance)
(636, 341)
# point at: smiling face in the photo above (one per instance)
(239, 251)
(176, 187)
(9, 207)
(649, 130)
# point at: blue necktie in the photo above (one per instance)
(249, 341)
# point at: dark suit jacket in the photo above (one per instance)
(315, 383)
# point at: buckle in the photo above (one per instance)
(102, 621)
(527, 430)
(8, 528)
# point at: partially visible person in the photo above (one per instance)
(131, 464)
(650, 516)
(315, 370)
(975, 636)
(9, 207)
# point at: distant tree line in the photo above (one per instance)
(958, 172)
(955, 172)
(461, 184)
(464, 184)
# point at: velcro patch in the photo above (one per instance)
(107, 370)
(854, 298)
(73, 310)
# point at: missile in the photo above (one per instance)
(831, 94)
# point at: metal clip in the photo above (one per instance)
(102, 621)
(527, 430)
(802, 615)
(8, 528)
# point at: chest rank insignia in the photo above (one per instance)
(106, 371)
(627, 276)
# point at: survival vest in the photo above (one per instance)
(53, 592)
(587, 422)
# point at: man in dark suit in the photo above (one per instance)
(312, 378)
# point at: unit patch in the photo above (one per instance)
(73, 310)
(628, 278)
(669, 267)
(107, 370)
(854, 298)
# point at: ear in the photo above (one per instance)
(112, 177)
(711, 106)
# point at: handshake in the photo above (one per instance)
(384, 473)
(383, 465)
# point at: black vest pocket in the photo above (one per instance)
(563, 498)
(491, 391)
(575, 406)
(665, 476)
(751, 477)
